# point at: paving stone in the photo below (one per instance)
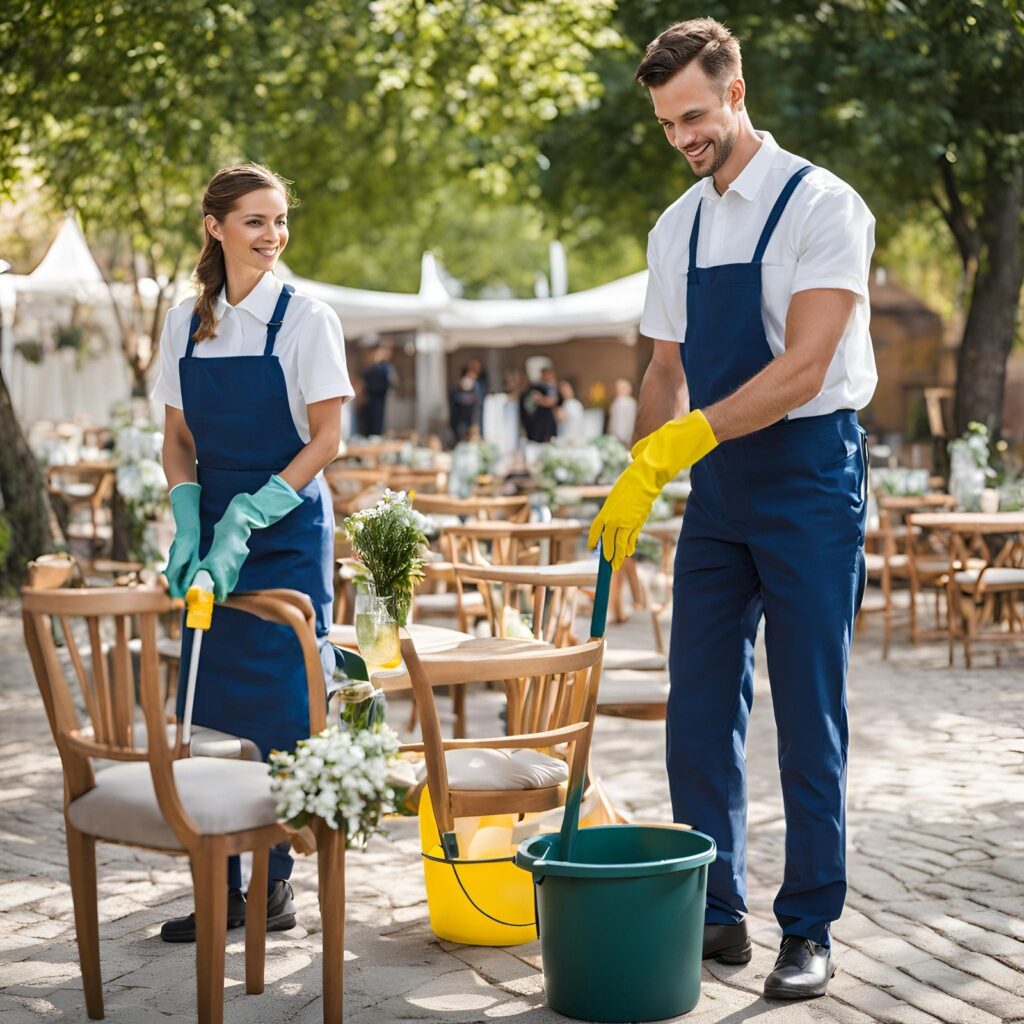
(932, 930)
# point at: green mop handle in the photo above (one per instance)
(598, 620)
(599, 616)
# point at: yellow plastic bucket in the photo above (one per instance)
(483, 898)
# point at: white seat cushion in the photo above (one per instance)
(481, 768)
(628, 686)
(995, 577)
(166, 647)
(205, 742)
(219, 796)
(448, 602)
(643, 661)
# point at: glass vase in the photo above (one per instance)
(376, 630)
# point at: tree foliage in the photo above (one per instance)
(917, 103)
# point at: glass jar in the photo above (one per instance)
(376, 630)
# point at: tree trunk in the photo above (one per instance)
(992, 318)
(25, 512)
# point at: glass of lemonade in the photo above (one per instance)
(376, 630)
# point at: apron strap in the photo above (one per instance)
(278, 318)
(193, 327)
(776, 214)
(694, 232)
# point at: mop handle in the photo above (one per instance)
(199, 602)
(573, 799)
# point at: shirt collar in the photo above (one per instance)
(260, 302)
(749, 181)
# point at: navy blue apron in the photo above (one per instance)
(774, 527)
(252, 678)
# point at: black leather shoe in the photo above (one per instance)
(280, 906)
(727, 943)
(802, 970)
(183, 929)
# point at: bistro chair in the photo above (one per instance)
(512, 508)
(987, 597)
(525, 601)
(550, 725)
(82, 486)
(154, 796)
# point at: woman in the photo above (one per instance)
(253, 378)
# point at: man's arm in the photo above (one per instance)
(815, 325)
(663, 394)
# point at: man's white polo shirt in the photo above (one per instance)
(824, 240)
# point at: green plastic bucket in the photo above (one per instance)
(622, 922)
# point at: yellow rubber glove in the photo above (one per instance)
(657, 458)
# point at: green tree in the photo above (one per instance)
(917, 103)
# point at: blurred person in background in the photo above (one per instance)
(466, 402)
(622, 412)
(570, 413)
(378, 379)
(539, 405)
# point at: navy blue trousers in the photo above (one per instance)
(774, 527)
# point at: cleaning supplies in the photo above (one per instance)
(198, 617)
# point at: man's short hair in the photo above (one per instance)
(701, 39)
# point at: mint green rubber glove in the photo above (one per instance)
(183, 561)
(245, 513)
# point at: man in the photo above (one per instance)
(539, 405)
(378, 379)
(757, 304)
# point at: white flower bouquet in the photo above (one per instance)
(141, 484)
(390, 544)
(341, 775)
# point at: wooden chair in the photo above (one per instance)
(548, 592)
(153, 797)
(78, 486)
(553, 697)
(986, 596)
(354, 488)
(891, 558)
(505, 543)
(513, 509)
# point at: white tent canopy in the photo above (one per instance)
(68, 268)
(608, 311)
(68, 274)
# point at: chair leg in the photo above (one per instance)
(330, 859)
(459, 707)
(256, 923)
(82, 869)
(210, 883)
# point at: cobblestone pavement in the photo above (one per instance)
(933, 930)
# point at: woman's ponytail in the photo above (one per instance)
(210, 276)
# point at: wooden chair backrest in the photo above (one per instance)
(93, 695)
(511, 543)
(421, 481)
(892, 515)
(548, 595)
(514, 508)
(52, 571)
(552, 695)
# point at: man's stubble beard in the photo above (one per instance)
(725, 148)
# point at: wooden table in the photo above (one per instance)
(970, 534)
(969, 523)
(440, 649)
(437, 648)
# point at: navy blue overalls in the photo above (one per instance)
(774, 526)
(252, 679)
